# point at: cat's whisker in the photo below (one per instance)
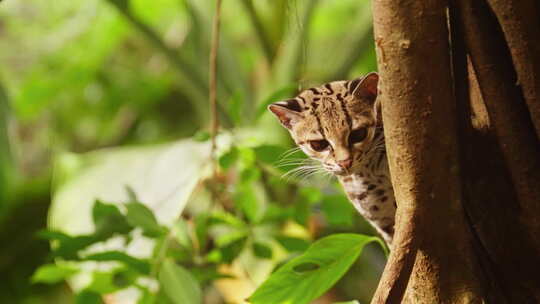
(293, 161)
(299, 164)
(301, 172)
(289, 152)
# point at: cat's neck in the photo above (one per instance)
(370, 190)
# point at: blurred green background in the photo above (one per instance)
(108, 100)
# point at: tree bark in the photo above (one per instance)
(420, 130)
(463, 148)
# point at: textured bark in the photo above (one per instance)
(420, 130)
(521, 26)
(462, 139)
(505, 105)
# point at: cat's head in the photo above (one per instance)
(335, 123)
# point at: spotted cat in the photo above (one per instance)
(339, 125)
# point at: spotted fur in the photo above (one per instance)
(338, 124)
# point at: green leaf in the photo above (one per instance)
(147, 297)
(309, 275)
(293, 244)
(249, 175)
(348, 302)
(138, 215)
(230, 251)
(201, 136)
(69, 248)
(277, 213)
(228, 219)
(125, 277)
(52, 273)
(228, 159)
(179, 284)
(102, 282)
(52, 235)
(248, 202)
(262, 251)
(180, 231)
(132, 195)
(108, 220)
(205, 274)
(139, 265)
(88, 297)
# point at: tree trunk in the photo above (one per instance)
(462, 139)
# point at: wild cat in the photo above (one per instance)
(339, 125)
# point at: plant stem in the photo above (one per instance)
(262, 35)
(213, 81)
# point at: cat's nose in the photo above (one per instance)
(345, 164)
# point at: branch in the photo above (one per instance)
(506, 108)
(419, 120)
(213, 81)
(521, 27)
(399, 267)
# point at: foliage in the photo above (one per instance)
(130, 77)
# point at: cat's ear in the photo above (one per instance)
(365, 87)
(288, 112)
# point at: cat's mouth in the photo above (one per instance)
(336, 170)
(339, 171)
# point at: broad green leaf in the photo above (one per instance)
(52, 273)
(292, 244)
(262, 251)
(309, 275)
(179, 284)
(139, 265)
(348, 302)
(163, 176)
(152, 172)
(138, 215)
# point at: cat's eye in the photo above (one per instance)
(357, 136)
(319, 145)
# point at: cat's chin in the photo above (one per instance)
(340, 172)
